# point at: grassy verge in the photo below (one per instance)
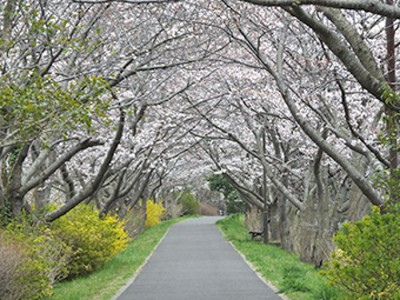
(104, 283)
(297, 280)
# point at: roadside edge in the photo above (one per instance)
(259, 275)
(137, 272)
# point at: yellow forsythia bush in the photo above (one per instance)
(154, 213)
(93, 240)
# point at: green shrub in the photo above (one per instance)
(189, 204)
(366, 262)
(44, 245)
(31, 259)
(33, 278)
(34, 257)
(93, 240)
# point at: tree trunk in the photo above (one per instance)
(391, 123)
(265, 224)
(8, 16)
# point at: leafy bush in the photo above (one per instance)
(366, 263)
(33, 257)
(24, 271)
(44, 246)
(43, 256)
(154, 213)
(189, 204)
(93, 240)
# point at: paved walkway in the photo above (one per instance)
(194, 262)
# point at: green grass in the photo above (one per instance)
(104, 283)
(297, 280)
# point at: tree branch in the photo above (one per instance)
(124, 1)
(342, 51)
(353, 132)
(95, 184)
(33, 182)
(372, 6)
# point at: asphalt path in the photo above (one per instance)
(195, 262)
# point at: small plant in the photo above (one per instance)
(366, 262)
(13, 256)
(154, 213)
(294, 280)
(326, 292)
